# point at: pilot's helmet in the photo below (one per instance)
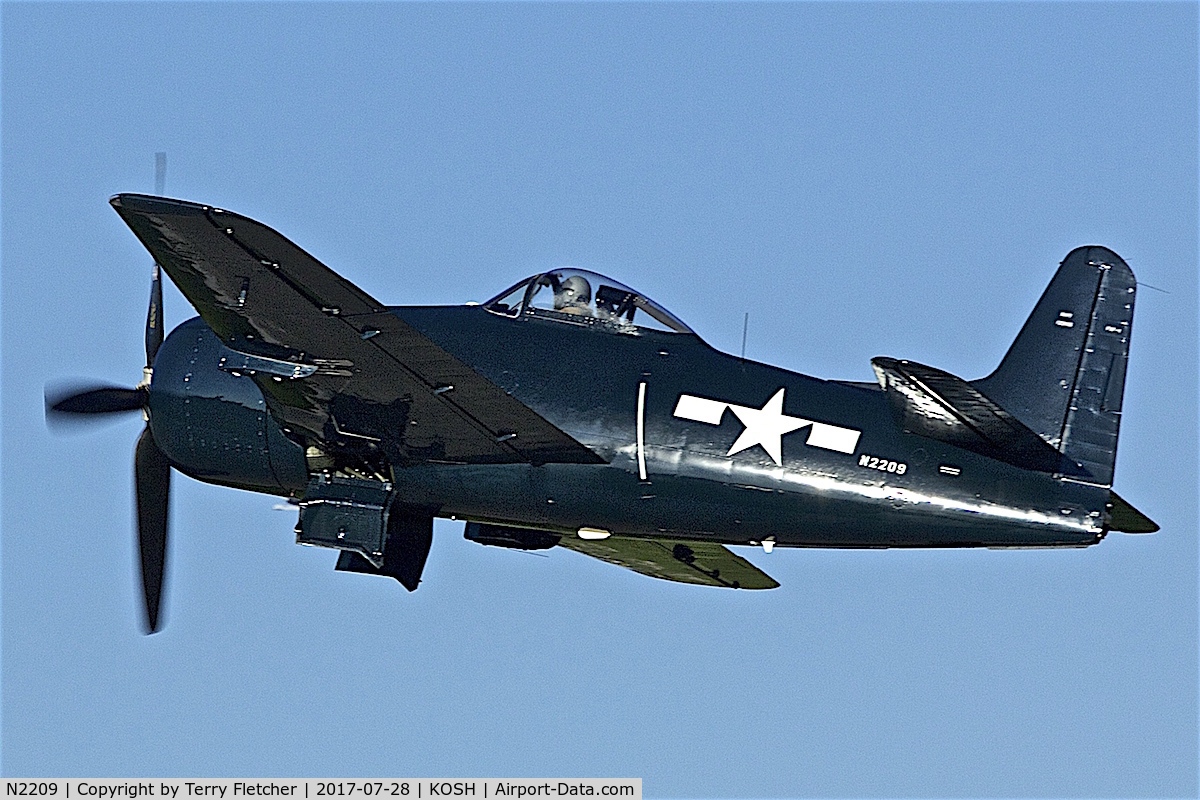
(574, 294)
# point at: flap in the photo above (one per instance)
(933, 403)
(359, 371)
(671, 560)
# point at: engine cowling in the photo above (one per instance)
(214, 425)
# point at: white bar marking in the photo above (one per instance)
(700, 409)
(831, 437)
(641, 431)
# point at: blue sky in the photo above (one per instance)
(863, 179)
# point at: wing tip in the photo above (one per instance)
(1124, 518)
(148, 203)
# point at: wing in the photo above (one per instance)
(333, 363)
(686, 562)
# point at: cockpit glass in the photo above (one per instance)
(509, 302)
(585, 298)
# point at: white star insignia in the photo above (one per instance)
(765, 426)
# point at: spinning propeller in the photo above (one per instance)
(152, 470)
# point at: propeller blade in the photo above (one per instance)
(101, 400)
(152, 473)
(154, 325)
(160, 173)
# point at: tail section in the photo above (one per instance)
(1064, 375)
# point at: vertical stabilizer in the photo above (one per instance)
(1065, 373)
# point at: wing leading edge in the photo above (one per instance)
(331, 360)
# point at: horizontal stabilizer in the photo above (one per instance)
(686, 562)
(1127, 519)
(936, 404)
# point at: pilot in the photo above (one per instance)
(574, 296)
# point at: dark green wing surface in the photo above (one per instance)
(686, 562)
(330, 358)
(1127, 519)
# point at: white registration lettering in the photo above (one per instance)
(882, 464)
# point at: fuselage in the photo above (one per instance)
(850, 477)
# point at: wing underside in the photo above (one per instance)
(332, 361)
(702, 563)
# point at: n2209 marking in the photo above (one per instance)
(882, 464)
(22, 788)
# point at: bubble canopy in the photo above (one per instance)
(580, 297)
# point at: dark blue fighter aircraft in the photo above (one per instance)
(573, 411)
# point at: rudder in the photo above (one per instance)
(1064, 375)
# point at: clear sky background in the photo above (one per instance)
(864, 179)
